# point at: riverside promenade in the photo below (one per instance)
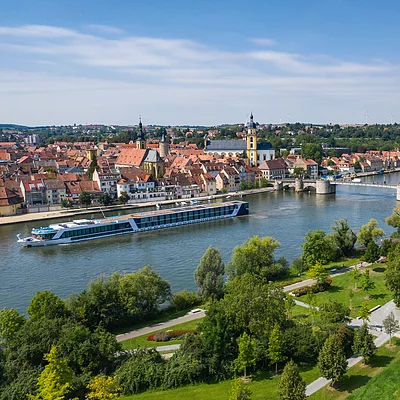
(65, 213)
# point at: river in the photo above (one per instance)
(175, 253)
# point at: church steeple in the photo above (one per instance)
(252, 141)
(140, 141)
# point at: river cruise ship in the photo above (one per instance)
(84, 229)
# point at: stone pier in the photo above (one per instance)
(325, 187)
(278, 185)
(298, 185)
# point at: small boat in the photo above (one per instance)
(158, 206)
(177, 204)
(193, 202)
(356, 180)
(228, 197)
(183, 203)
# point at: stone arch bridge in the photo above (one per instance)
(322, 186)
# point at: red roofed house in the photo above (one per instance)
(9, 201)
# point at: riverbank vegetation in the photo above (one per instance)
(251, 329)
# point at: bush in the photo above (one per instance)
(179, 333)
(162, 337)
(168, 335)
(184, 300)
(316, 288)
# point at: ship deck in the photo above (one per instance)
(171, 211)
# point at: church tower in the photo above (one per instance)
(163, 147)
(140, 141)
(251, 138)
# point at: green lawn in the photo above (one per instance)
(380, 380)
(264, 386)
(348, 262)
(339, 291)
(141, 341)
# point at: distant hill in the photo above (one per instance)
(13, 126)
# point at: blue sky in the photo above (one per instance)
(198, 62)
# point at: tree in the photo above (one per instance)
(55, 381)
(334, 312)
(391, 325)
(372, 252)
(46, 305)
(243, 185)
(103, 388)
(364, 312)
(10, 323)
(289, 305)
(366, 283)
(291, 384)
(394, 219)
(275, 347)
(142, 370)
(93, 166)
(332, 362)
(392, 274)
(318, 248)
(319, 273)
(344, 237)
(256, 256)
(65, 203)
(351, 296)
(184, 300)
(209, 275)
(246, 357)
(239, 391)
(123, 198)
(312, 151)
(311, 301)
(369, 232)
(105, 199)
(364, 343)
(356, 275)
(85, 199)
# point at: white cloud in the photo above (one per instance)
(264, 41)
(105, 29)
(70, 76)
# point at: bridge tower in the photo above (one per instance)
(324, 187)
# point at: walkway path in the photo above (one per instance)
(161, 325)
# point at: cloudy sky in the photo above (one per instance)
(199, 62)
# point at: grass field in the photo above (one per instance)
(348, 262)
(140, 341)
(380, 380)
(263, 386)
(341, 285)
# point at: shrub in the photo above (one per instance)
(168, 335)
(162, 337)
(179, 333)
(316, 288)
(184, 299)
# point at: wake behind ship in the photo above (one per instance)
(84, 229)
